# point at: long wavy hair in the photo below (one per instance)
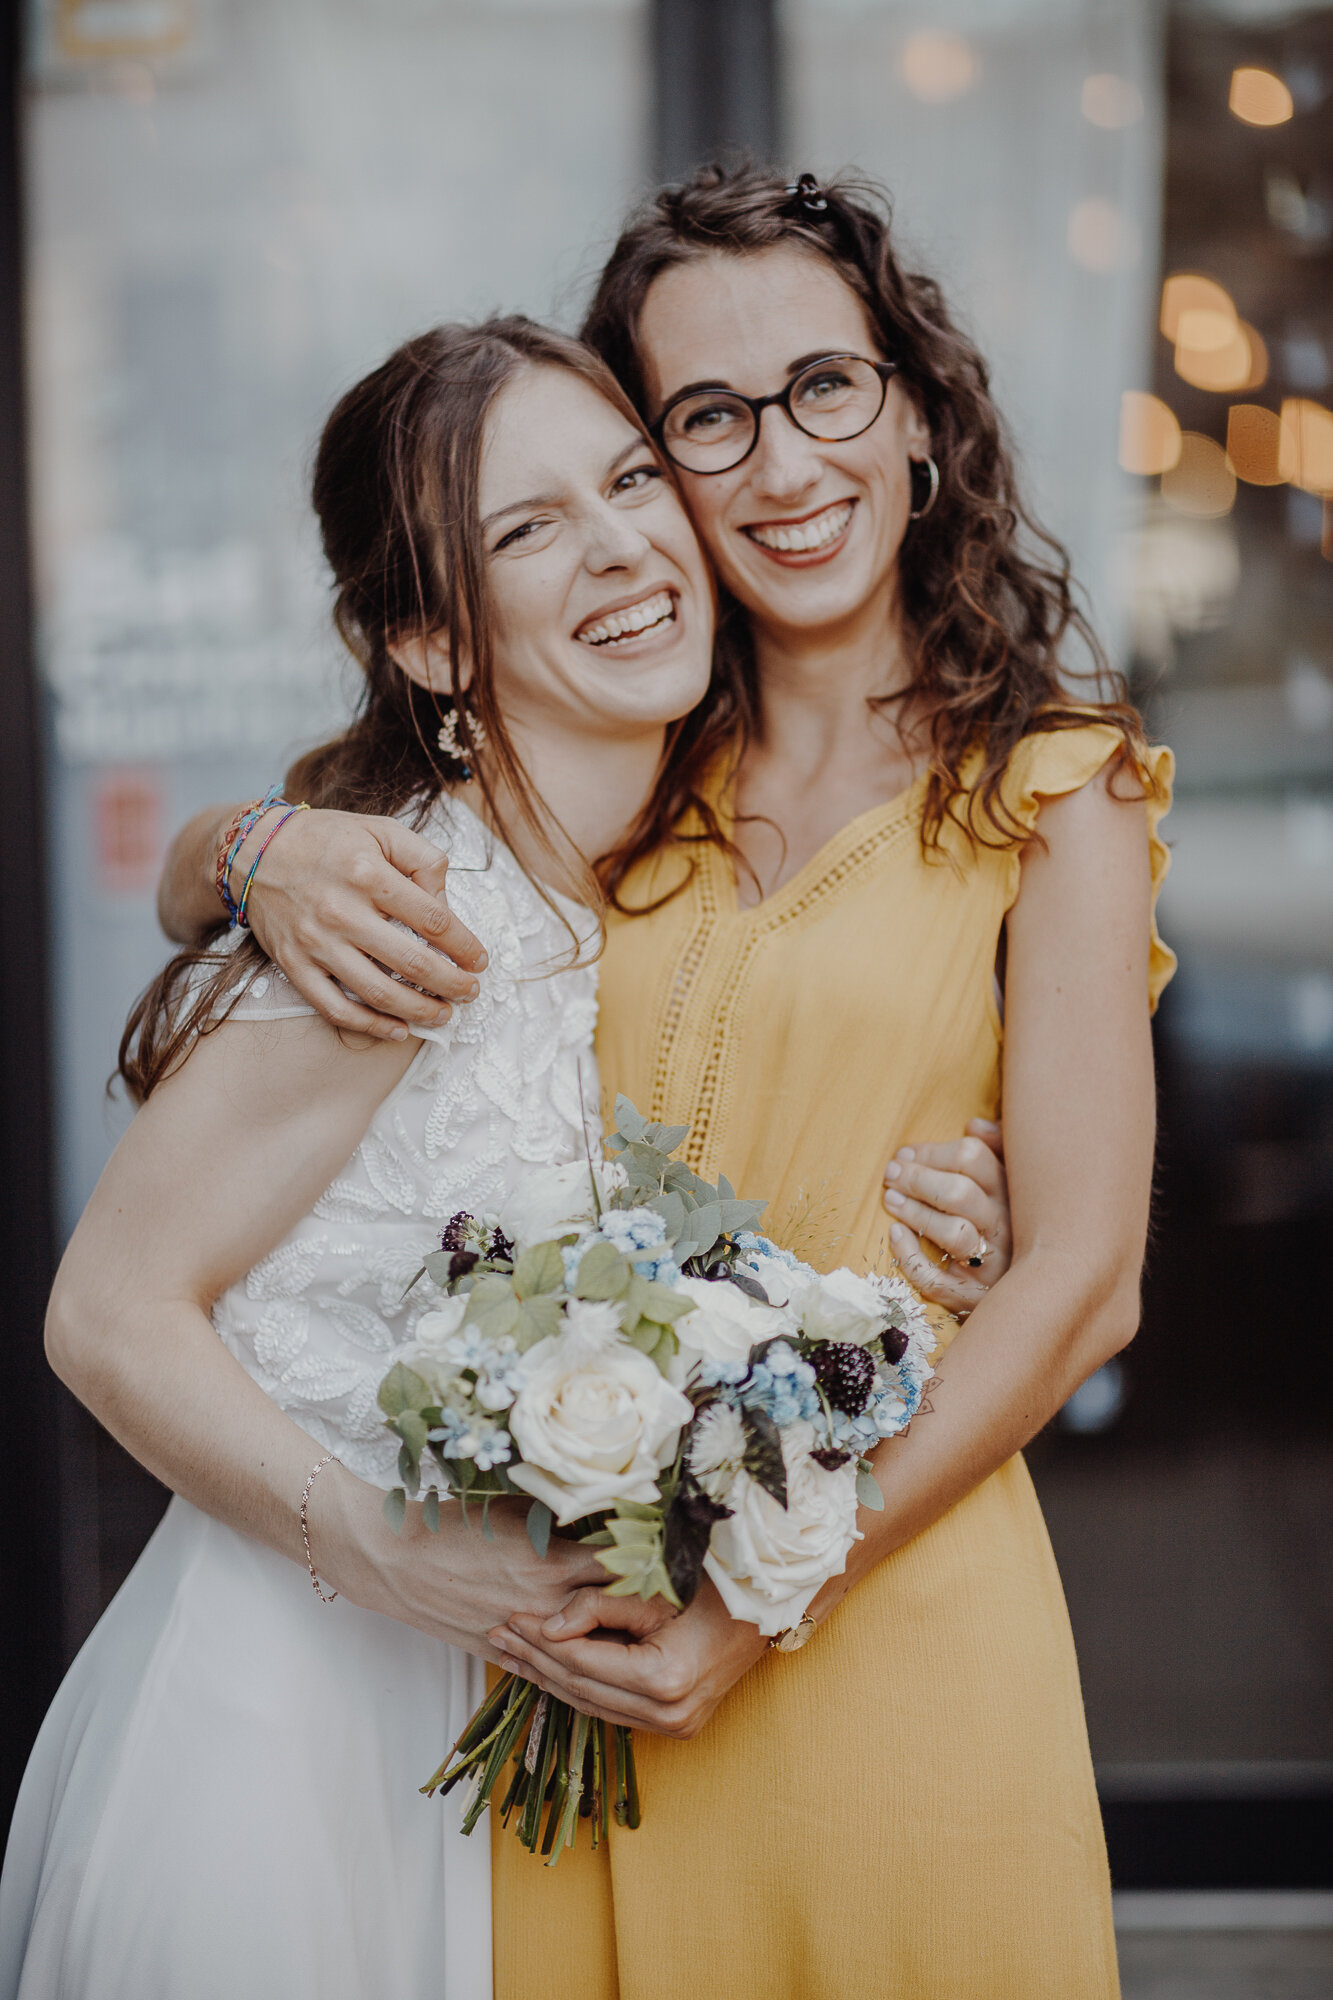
(396, 490)
(988, 603)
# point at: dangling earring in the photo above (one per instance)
(933, 473)
(448, 737)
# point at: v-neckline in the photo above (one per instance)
(812, 872)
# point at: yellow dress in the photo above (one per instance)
(907, 1806)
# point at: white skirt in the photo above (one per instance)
(223, 1801)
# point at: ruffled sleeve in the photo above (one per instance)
(1050, 763)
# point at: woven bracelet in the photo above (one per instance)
(241, 916)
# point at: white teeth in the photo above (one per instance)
(806, 535)
(628, 624)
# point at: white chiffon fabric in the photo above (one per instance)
(223, 1801)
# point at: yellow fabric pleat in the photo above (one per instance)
(907, 1806)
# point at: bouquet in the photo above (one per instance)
(622, 1348)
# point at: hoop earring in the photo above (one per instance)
(933, 473)
(448, 739)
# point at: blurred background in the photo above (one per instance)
(215, 214)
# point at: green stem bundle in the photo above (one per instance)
(566, 1766)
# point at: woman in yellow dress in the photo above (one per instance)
(906, 1805)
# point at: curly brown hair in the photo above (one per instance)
(987, 596)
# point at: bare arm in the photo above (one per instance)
(326, 906)
(1079, 1126)
(215, 1169)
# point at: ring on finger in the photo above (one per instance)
(982, 1253)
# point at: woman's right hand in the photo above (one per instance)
(327, 907)
(458, 1584)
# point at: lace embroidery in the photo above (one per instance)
(495, 1089)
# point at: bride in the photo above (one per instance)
(223, 1799)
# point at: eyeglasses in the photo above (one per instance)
(715, 430)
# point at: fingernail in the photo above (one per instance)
(892, 1171)
(897, 1234)
(556, 1624)
(443, 1015)
(904, 1153)
(894, 1198)
(474, 989)
(398, 1034)
(482, 961)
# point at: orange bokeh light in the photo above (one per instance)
(1259, 98)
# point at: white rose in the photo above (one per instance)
(841, 1306)
(595, 1421)
(438, 1326)
(725, 1323)
(551, 1202)
(770, 1562)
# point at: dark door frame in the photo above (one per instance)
(715, 75)
(30, 1558)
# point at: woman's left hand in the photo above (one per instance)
(668, 1679)
(956, 1195)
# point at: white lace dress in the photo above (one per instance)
(223, 1801)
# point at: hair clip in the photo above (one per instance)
(805, 192)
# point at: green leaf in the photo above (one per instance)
(412, 1428)
(395, 1507)
(540, 1269)
(643, 1334)
(538, 1319)
(660, 1302)
(540, 1521)
(630, 1124)
(750, 1286)
(601, 1538)
(666, 1350)
(665, 1138)
(414, 1282)
(437, 1267)
(868, 1489)
(672, 1211)
(430, 1510)
(603, 1274)
(403, 1389)
(763, 1458)
(492, 1307)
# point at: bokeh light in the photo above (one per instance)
(1305, 449)
(1202, 482)
(1111, 101)
(1254, 437)
(1239, 362)
(1101, 236)
(1189, 291)
(937, 66)
(1259, 98)
(1149, 434)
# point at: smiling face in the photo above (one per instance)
(804, 533)
(601, 602)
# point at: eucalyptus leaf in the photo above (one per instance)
(868, 1490)
(666, 1138)
(413, 1429)
(630, 1124)
(395, 1507)
(430, 1510)
(540, 1521)
(408, 1470)
(403, 1389)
